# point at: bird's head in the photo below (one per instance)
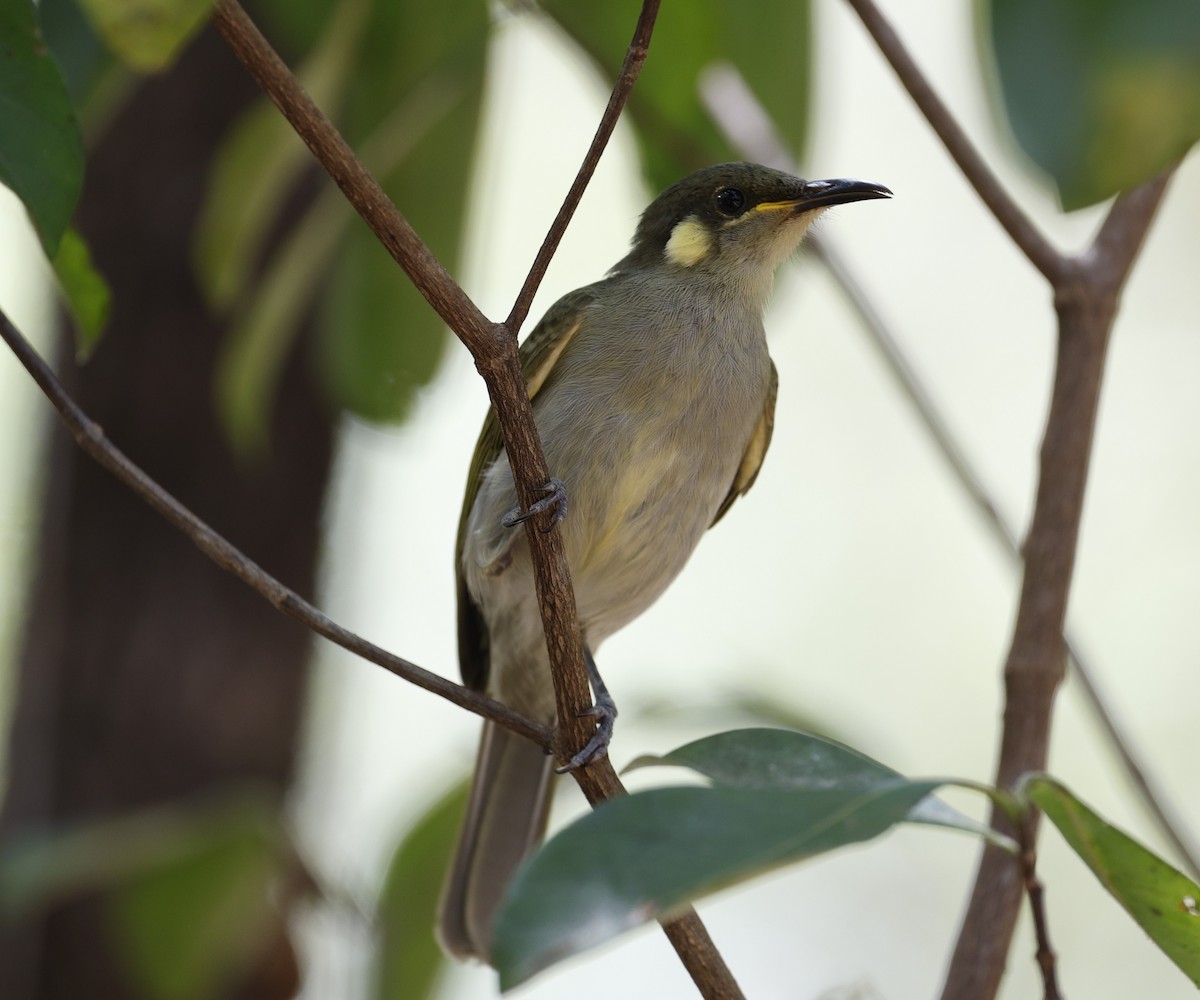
(737, 220)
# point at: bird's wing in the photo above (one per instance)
(756, 449)
(539, 353)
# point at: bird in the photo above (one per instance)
(654, 397)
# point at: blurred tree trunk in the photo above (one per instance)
(146, 672)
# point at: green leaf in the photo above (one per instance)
(783, 759)
(644, 855)
(187, 887)
(408, 957)
(41, 152)
(770, 45)
(85, 290)
(146, 35)
(1101, 94)
(1164, 901)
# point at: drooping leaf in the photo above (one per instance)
(408, 957)
(41, 152)
(641, 856)
(86, 292)
(769, 43)
(1164, 901)
(1101, 94)
(146, 35)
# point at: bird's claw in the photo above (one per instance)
(605, 712)
(555, 497)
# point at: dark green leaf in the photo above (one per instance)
(783, 759)
(1164, 902)
(644, 855)
(408, 956)
(769, 45)
(86, 292)
(1101, 94)
(41, 152)
(146, 35)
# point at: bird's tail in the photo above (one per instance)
(506, 819)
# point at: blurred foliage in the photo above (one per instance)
(408, 958)
(87, 294)
(769, 42)
(146, 35)
(188, 886)
(1101, 94)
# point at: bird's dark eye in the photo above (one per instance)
(730, 201)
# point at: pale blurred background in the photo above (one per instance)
(855, 585)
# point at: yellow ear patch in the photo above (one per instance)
(690, 242)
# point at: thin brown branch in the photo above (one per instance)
(635, 57)
(1086, 301)
(1008, 213)
(92, 439)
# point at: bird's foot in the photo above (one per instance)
(605, 714)
(555, 497)
(604, 711)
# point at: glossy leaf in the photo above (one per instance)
(41, 152)
(409, 958)
(86, 292)
(783, 759)
(768, 43)
(1164, 901)
(1101, 94)
(146, 35)
(641, 856)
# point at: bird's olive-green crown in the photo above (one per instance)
(743, 208)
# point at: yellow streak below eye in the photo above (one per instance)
(690, 242)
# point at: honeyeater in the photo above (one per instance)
(654, 397)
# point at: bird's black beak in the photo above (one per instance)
(822, 194)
